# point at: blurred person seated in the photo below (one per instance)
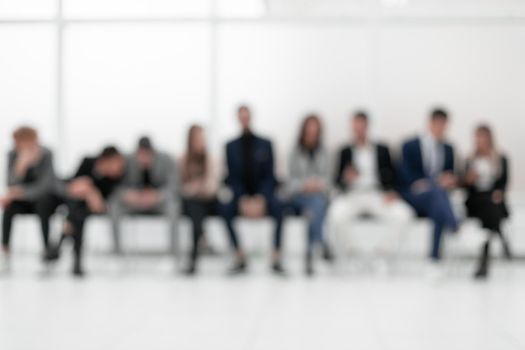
(30, 185)
(199, 189)
(88, 192)
(149, 187)
(485, 180)
(428, 175)
(251, 179)
(309, 184)
(366, 176)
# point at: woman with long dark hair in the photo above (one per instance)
(486, 183)
(199, 188)
(309, 172)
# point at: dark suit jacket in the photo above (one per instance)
(412, 166)
(386, 170)
(263, 167)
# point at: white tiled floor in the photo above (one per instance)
(143, 304)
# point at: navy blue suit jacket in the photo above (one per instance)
(412, 166)
(263, 167)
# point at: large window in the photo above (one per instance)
(28, 80)
(91, 72)
(127, 80)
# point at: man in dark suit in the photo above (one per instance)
(427, 175)
(366, 176)
(251, 179)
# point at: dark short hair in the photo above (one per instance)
(439, 113)
(108, 152)
(360, 114)
(145, 143)
(243, 107)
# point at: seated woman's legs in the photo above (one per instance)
(197, 211)
(13, 209)
(313, 207)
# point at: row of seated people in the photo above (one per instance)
(368, 180)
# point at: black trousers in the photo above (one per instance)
(480, 206)
(44, 208)
(275, 210)
(198, 210)
(78, 212)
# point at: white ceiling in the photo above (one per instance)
(485, 8)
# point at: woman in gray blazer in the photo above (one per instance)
(30, 184)
(309, 181)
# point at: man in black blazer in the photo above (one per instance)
(366, 177)
(251, 179)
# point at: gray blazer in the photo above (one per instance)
(43, 181)
(163, 174)
(301, 167)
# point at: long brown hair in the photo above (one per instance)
(302, 134)
(485, 129)
(195, 161)
(494, 155)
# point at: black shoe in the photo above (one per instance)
(481, 274)
(327, 253)
(191, 270)
(78, 271)
(277, 268)
(52, 254)
(238, 268)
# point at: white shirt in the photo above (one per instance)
(365, 163)
(486, 171)
(432, 152)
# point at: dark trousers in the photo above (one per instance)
(198, 210)
(481, 206)
(435, 205)
(44, 208)
(274, 209)
(78, 212)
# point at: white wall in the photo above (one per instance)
(397, 72)
(124, 79)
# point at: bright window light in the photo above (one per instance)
(136, 8)
(241, 8)
(27, 8)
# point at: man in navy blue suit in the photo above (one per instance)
(252, 182)
(427, 175)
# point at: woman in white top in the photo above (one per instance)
(486, 183)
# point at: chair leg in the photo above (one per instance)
(174, 248)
